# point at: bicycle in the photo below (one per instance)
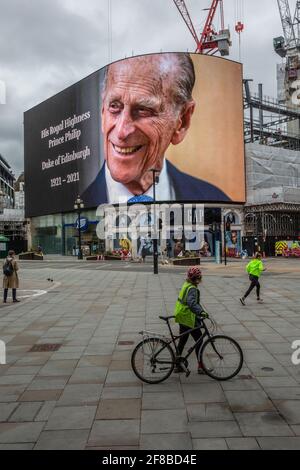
(153, 359)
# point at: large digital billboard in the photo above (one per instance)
(178, 113)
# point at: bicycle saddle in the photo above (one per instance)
(166, 318)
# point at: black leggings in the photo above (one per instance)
(196, 334)
(254, 283)
(14, 294)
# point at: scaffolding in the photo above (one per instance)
(266, 120)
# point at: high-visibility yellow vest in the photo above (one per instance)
(183, 314)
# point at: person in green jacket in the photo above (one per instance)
(254, 269)
(188, 312)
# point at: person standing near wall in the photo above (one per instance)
(10, 276)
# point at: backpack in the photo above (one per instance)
(8, 268)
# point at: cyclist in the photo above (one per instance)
(188, 312)
(254, 269)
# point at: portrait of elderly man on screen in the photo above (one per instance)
(147, 105)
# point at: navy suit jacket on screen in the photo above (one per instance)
(186, 187)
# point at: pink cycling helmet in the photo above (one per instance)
(193, 273)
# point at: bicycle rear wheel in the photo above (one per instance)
(221, 357)
(153, 360)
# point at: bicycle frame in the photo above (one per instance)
(175, 338)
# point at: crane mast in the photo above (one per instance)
(210, 41)
(287, 23)
(288, 72)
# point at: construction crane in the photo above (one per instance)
(210, 41)
(290, 40)
(288, 47)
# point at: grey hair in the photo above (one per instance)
(184, 75)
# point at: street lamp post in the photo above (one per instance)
(78, 206)
(155, 247)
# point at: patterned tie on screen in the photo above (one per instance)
(141, 198)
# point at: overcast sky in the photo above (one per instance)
(46, 45)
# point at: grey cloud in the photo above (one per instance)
(46, 45)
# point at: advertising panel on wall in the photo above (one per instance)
(179, 113)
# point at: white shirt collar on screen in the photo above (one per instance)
(118, 193)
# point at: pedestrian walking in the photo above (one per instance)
(188, 312)
(10, 276)
(254, 269)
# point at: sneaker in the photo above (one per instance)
(260, 301)
(16, 300)
(242, 301)
(200, 368)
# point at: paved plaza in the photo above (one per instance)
(82, 394)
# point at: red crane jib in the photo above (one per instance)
(204, 42)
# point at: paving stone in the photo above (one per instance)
(48, 383)
(296, 430)
(25, 412)
(121, 392)
(10, 393)
(33, 359)
(242, 443)
(163, 421)
(16, 446)
(179, 441)
(241, 384)
(249, 400)
(20, 432)
(206, 393)
(173, 384)
(283, 393)
(89, 361)
(268, 370)
(71, 417)
(262, 424)
(23, 340)
(80, 394)
(258, 356)
(279, 443)
(115, 433)
(6, 409)
(120, 365)
(164, 401)
(23, 370)
(15, 379)
(57, 368)
(62, 440)
(290, 410)
(92, 375)
(40, 395)
(121, 377)
(209, 444)
(45, 411)
(269, 382)
(127, 408)
(209, 429)
(209, 412)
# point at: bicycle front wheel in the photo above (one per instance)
(153, 360)
(221, 357)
